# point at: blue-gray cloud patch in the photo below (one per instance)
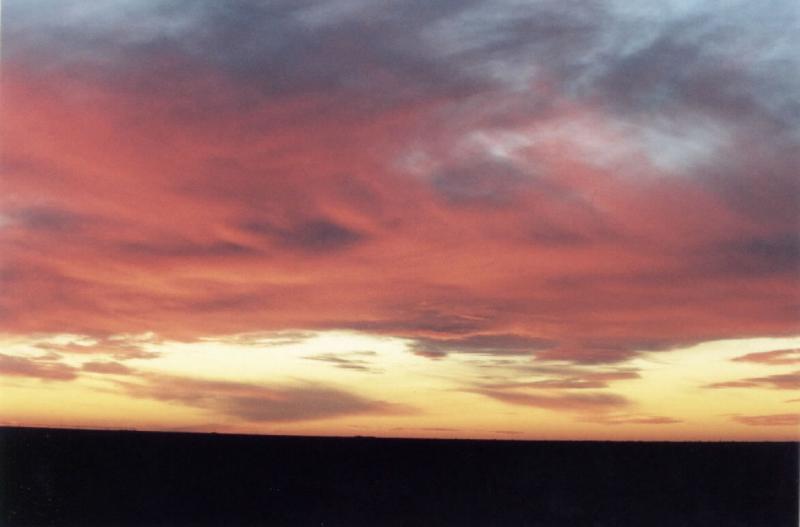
(317, 235)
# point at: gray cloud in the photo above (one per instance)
(768, 420)
(781, 381)
(46, 369)
(356, 360)
(314, 236)
(580, 402)
(187, 249)
(708, 93)
(613, 419)
(500, 344)
(569, 380)
(270, 338)
(776, 357)
(118, 349)
(48, 219)
(635, 59)
(258, 403)
(483, 183)
(589, 354)
(107, 367)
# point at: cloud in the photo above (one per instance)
(480, 183)
(45, 370)
(566, 388)
(781, 381)
(578, 183)
(46, 219)
(117, 348)
(776, 357)
(776, 254)
(315, 236)
(570, 380)
(502, 344)
(427, 429)
(357, 361)
(614, 419)
(257, 403)
(768, 420)
(587, 354)
(113, 368)
(271, 338)
(579, 402)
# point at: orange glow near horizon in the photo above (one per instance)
(376, 386)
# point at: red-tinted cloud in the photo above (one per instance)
(45, 370)
(357, 360)
(264, 171)
(257, 403)
(780, 381)
(768, 420)
(572, 402)
(571, 380)
(610, 419)
(777, 357)
(110, 367)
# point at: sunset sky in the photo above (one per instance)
(498, 219)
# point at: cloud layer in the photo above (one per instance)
(574, 182)
(256, 403)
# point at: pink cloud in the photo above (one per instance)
(251, 402)
(781, 381)
(777, 357)
(193, 194)
(768, 420)
(608, 419)
(581, 402)
(43, 369)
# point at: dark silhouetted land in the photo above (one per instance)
(103, 478)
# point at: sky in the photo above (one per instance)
(500, 219)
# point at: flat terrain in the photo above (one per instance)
(94, 478)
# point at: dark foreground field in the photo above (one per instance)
(85, 478)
